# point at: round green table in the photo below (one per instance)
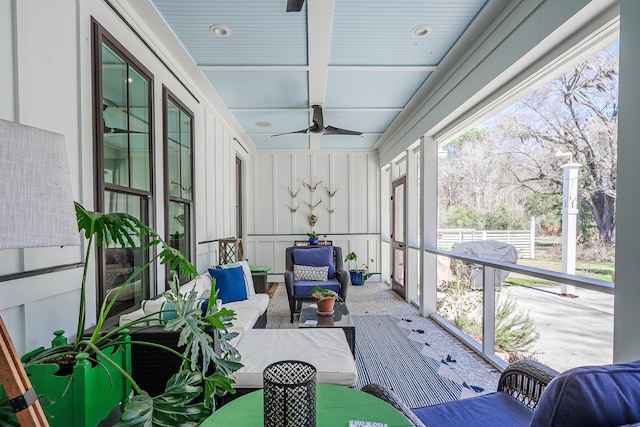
(335, 406)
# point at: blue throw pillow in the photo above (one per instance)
(596, 396)
(230, 284)
(315, 257)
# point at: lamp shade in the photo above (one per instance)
(36, 203)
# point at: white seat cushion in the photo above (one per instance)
(326, 349)
(130, 317)
(245, 319)
(259, 302)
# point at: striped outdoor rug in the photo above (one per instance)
(389, 351)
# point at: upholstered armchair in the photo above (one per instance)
(531, 394)
(316, 257)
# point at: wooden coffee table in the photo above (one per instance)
(341, 319)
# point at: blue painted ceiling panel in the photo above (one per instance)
(261, 89)
(382, 89)
(378, 32)
(261, 31)
(340, 142)
(286, 142)
(368, 121)
(281, 121)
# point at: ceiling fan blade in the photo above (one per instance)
(294, 5)
(330, 130)
(291, 133)
(118, 130)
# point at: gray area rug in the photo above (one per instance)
(375, 300)
(391, 352)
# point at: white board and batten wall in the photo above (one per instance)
(354, 224)
(45, 81)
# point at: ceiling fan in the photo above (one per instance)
(108, 129)
(319, 127)
(294, 5)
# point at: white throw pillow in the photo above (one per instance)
(306, 272)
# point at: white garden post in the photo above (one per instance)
(569, 221)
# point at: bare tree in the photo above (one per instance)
(577, 112)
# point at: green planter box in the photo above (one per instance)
(86, 397)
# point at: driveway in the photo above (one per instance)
(573, 331)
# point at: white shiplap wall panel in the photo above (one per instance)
(284, 222)
(358, 193)
(275, 227)
(340, 217)
(262, 195)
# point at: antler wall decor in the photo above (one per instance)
(313, 187)
(312, 206)
(294, 193)
(331, 210)
(293, 210)
(330, 192)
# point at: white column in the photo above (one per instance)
(428, 223)
(569, 222)
(626, 345)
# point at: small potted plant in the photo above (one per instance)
(359, 274)
(549, 225)
(313, 237)
(325, 299)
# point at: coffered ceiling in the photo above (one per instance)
(361, 60)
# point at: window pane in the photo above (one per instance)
(179, 226)
(185, 157)
(138, 116)
(114, 119)
(173, 136)
(121, 263)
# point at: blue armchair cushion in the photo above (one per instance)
(303, 287)
(489, 410)
(315, 257)
(230, 284)
(606, 395)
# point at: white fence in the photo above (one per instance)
(523, 240)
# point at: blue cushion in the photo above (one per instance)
(489, 410)
(606, 395)
(230, 284)
(315, 257)
(303, 287)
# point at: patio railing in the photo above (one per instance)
(486, 348)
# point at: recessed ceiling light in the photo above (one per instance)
(220, 30)
(421, 31)
(263, 124)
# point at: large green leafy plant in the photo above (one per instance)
(174, 406)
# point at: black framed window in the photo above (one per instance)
(123, 94)
(178, 155)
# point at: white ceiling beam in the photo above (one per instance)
(384, 68)
(253, 67)
(319, 17)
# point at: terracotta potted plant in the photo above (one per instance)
(325, 299)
